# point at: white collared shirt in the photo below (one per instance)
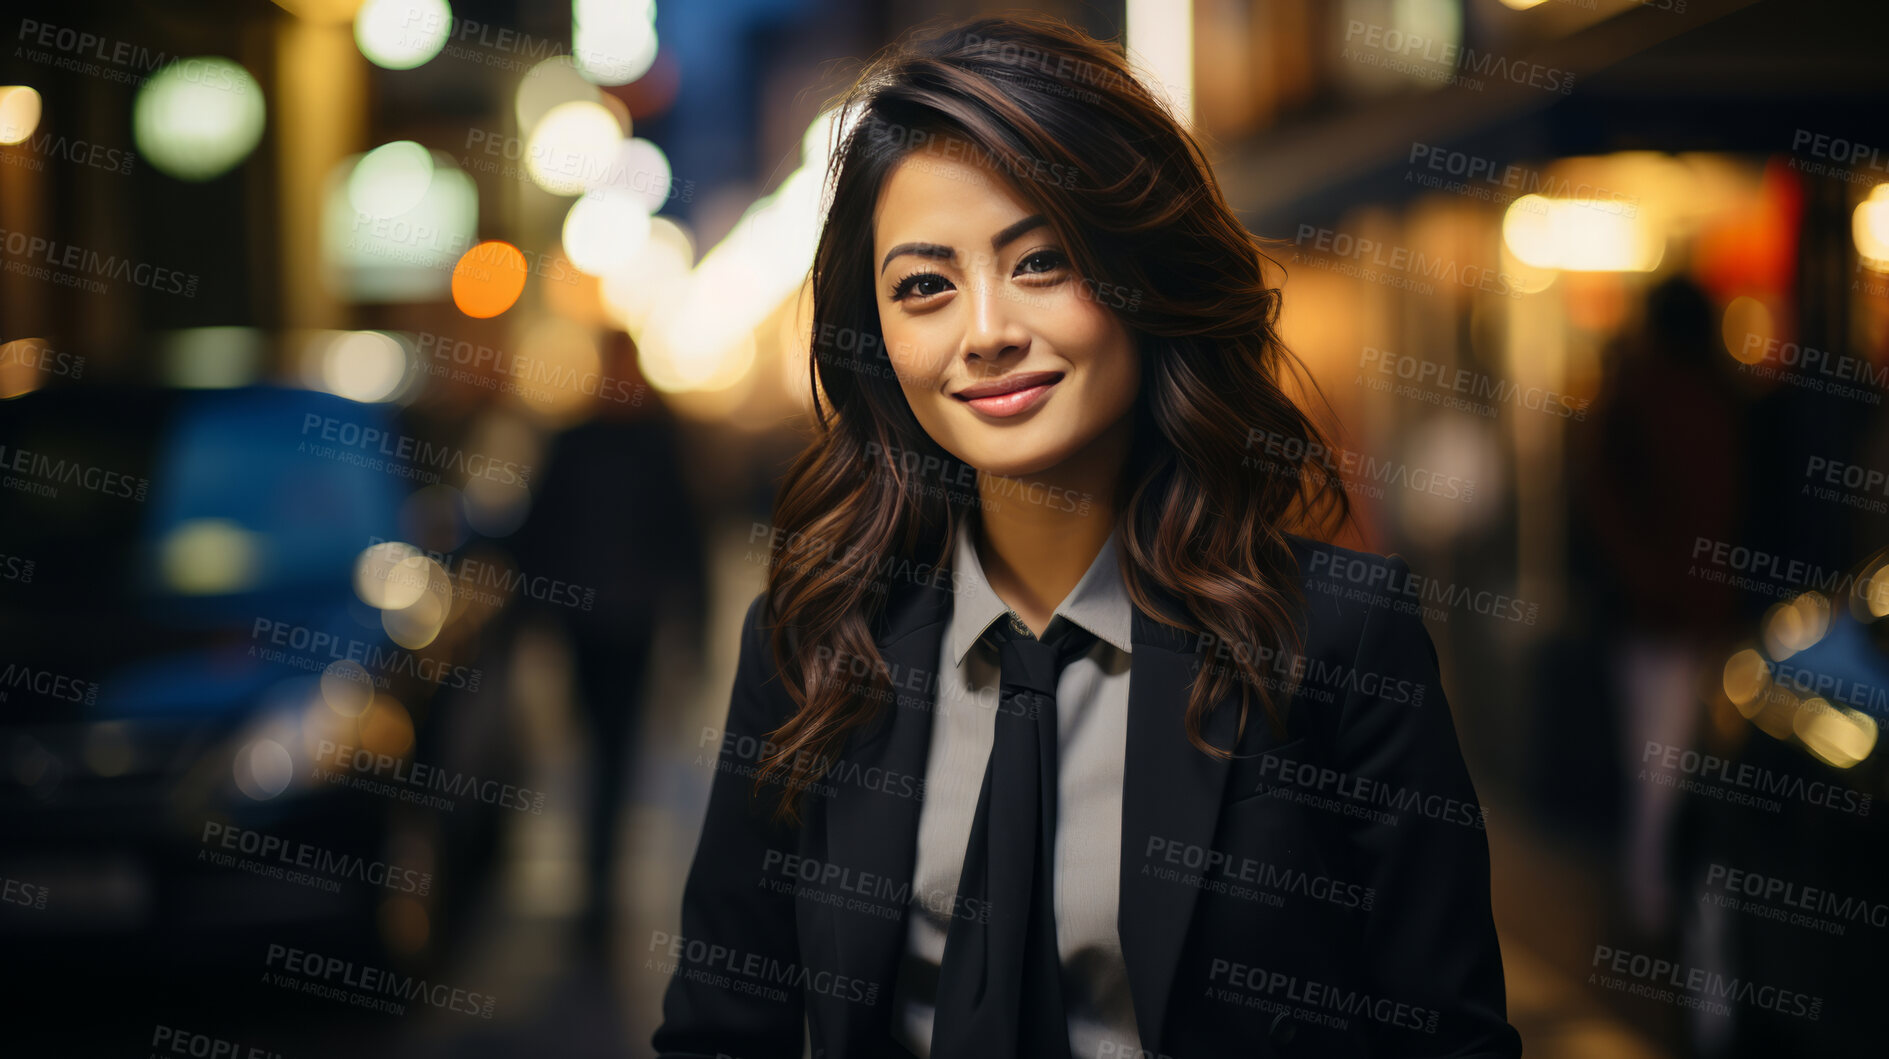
(1092, 733)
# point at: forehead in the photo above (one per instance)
(947, 189)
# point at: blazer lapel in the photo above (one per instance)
(873, 831)
(1170, 791)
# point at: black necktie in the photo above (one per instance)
(1000, 982)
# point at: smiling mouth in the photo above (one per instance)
(1010, 396)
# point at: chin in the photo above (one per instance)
(1008, 460)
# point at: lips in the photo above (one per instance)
(1010, 395)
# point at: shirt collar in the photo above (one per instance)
(1098, 603)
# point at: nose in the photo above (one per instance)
(993, 331)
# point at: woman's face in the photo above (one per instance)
(1005, 360)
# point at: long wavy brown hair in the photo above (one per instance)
(1224, 464)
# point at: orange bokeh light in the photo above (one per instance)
(489, 278)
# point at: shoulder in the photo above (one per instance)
(1347, 592)
(1364, 621)
(757, 677)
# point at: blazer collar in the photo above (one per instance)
(1169, 789)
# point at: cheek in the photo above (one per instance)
(1108, 349)
(914, 356)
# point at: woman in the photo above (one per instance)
(1047, 737)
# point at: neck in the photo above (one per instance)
(1037, 534)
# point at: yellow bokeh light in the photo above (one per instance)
(656, 276)
(1581, 235)
(346, 687)
(209, 557)
(20, 108)
(419, 622)
(26, 362)
(391, 575)
(1876, 593)
(1837, 735)
(1869, 228)
(387, 728)
(1796, 625)
(1746, 675)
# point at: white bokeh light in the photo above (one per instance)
(605, 231)
(402, 34)
(390, 179)
(613, 41)
(571, 149)
(196, 118)
(641, 170)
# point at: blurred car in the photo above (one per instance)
(184, 653)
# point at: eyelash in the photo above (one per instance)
(1054, 260)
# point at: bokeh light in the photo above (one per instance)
(1745, 318)
(1874, 594)
(211, 358)
(605, 230)
(640, 170)
(402, 257)
(1581, 235)
(347, 687)
(1796, 625)
(386, 727)
(197, 118)
(263, 769)
(402, 34)
(210, 556)
(364, 366)
(26, 362)
(1869, 228)
(1746, 677)
(419, 622)
(19, 113)
(571, 148)
(551, 83)
(613, 41)
(391, 575)
(488, 279)
(1837, 735)
(658, 274)
(390, 179)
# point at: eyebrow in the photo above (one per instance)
(945, 253)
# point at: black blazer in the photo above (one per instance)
(1325, 893)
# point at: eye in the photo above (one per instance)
(1041, 263)
(922, 284)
